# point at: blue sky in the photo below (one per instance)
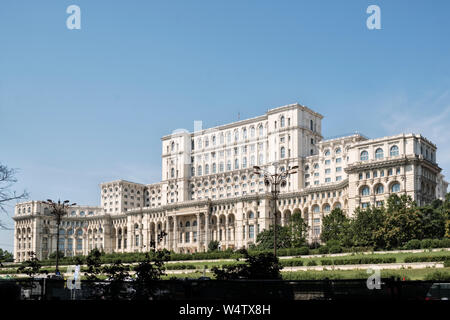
(80, 107)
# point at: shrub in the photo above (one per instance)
(438, 276)
(413, 244)
(303, 251)
(427, 243)
(323, 250)
(291, 263)
(335, 249)
(427, 258)
(436, 243)
(445, 243)
(312, 263)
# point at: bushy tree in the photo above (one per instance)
(213, 245)
(336, 226)
(364, 227)
(433, 220)
(403, 221)
(31, 267)
(265, 239)
(147, 272)
(5, 256)
(256, 267)
(117, 274)
(298, 229)
(94, 265)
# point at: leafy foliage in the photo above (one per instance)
(265, 239)
(31, 266)
(213, 245)
(259, 266)
(336, 226)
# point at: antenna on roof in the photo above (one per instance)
(239, 116)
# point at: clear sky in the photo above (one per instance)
(81, 107)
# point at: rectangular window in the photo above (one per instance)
(327, 171)
(375, 174)
(316, 230)
(251, 231)
(338, 160)
(367, 175)
(195, 236)
(327, 180)
(338, 178)
(338, 169)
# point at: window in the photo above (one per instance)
(379, 153)
(364, 156)
(338, 160)
(395, 187)
(229, 165)
(236, 163)
(192, 171)
(337, 151)
(327, 208)
(379, 189)
(244, 162)
(327, 180)
(327, 152)
(283, 152)
(327, 171)
(207, 169)
(365, 205)
(251, 231)
(236, 135)
(365, 191)
(338, 169)
(252, 132)
(199, 170)
(221, 167)
(394, 151)
(338, 178)
(261, 130)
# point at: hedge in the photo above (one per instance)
(292, 263)
(430, 258)
(362, 260)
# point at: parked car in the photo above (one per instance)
(439, 291)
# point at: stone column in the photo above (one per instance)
(206, 230)
(198, 232)
(175, 233)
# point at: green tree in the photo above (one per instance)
(403, 221)
(94, 265)
(53, 255)
(117, 274)
(31, 267)
(147, 272)
(258, 266)
(336, 226)
(213, 245)
(433, 220)
(298, 229)
(265, 239)
(5, 256)
(365, 225)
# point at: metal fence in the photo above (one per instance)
(52, 289)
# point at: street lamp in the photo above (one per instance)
(275, 181)
(58, 209)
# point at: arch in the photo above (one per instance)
(326, 207)
(379, 154)
(364, 190)
(364, 155)
(379, 188)
(250, 214)
(282, 152)
(287, 216)
(231, 219)
(393, 151)
(326, 152)
(315, 208)
(394, 187)
(282, 122)
(337, 205)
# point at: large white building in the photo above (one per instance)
(209, 191)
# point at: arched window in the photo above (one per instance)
(365, 191)
(395, 187)
(199, 143)
(337, 151)
(192, 171)
(252, 132)
(244, 162)
(207, 169)
(337, 205)
(194, 224)
(379, 189)
(172, 146)
(327, 208)
(282, 122)
(394, 151)
(188, 224)
(82, 213)
(316, 209)
(236, 135)
(282, 152)
(214, 168)
(172, 172)
(252, 161)
(251, 215)
(364, 156)
(244, 133)
(228, 137)
(236, 163)
(379, 153)
(213, 140)
(316, 166)
(261, 130)
(327, 152)
(199, 170)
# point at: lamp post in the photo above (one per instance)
(58, 209)
(275, 181)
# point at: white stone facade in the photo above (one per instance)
(209, 191)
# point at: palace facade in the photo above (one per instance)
(209, 190)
